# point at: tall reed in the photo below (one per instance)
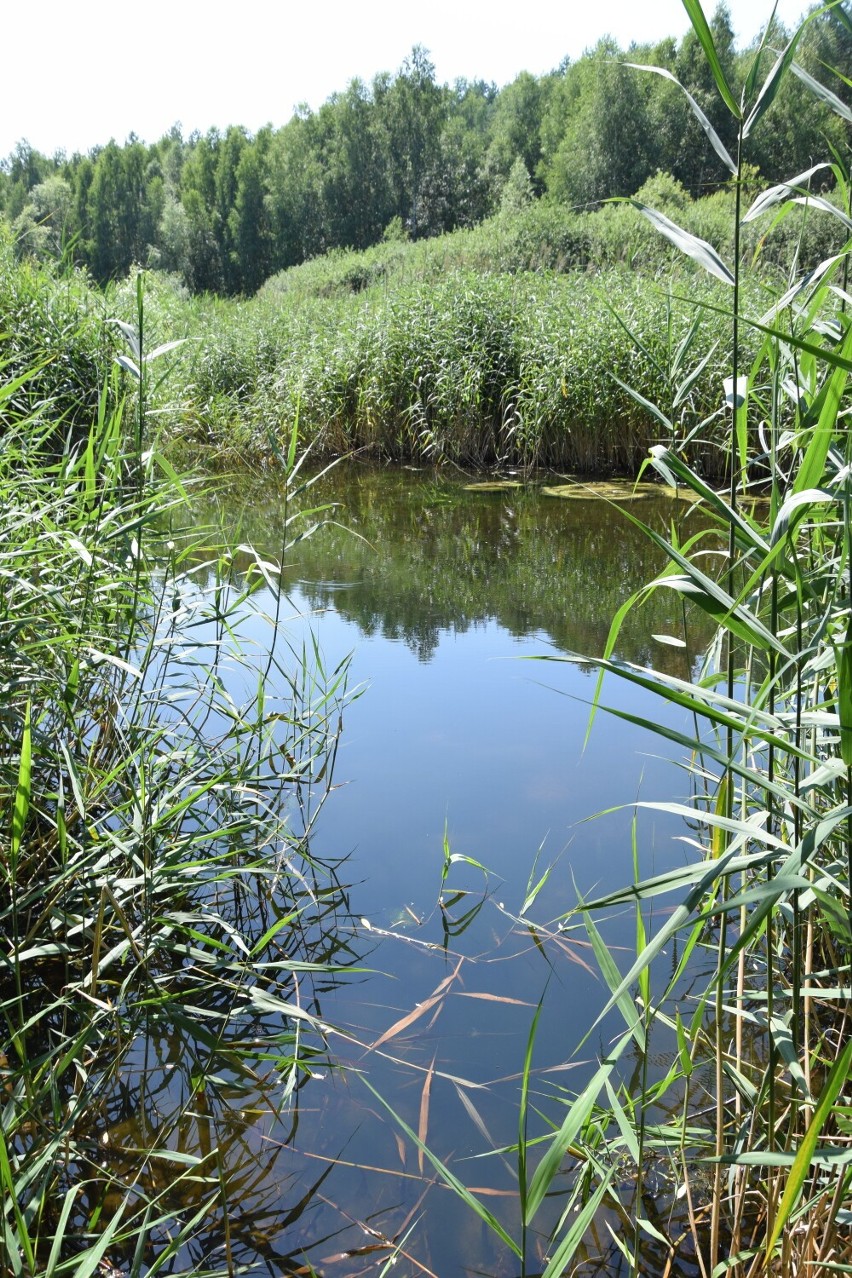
(163, 921)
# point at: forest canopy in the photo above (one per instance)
(406, 157)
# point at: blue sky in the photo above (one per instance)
(76, 75)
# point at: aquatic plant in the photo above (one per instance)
(164, 925)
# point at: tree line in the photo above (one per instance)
(408, 157)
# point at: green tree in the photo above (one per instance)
(25, 168)
(516, 128)
(203, 271)
(228, 159)
(173, 239)
(44, 226)
(356, 194)
(517, 190)
(247, 227)
(199, 170)
(414, 112)
(606, 147)
(294, 187)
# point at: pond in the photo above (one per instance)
(470, 813)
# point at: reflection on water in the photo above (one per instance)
(464, 792)
(412, 555)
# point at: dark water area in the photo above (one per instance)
(464, 781)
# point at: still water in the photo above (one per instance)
(457, 742)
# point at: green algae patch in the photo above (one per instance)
(611, 490)
(493, 486)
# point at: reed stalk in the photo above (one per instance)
(152, 858)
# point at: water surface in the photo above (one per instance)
(458, 744)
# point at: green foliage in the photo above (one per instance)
(161, 915)
(743, 1059)
(226, 210)
(53, 343)
(602, 129)
(469, 367)
(517, 193)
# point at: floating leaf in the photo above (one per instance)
(610, 490)
(493, 486)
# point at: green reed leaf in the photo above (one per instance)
(568, 1245)
(715, 141)
(824, 94)
(715, 601)
(125, 362)
(523, 1111)
(624, 1121)
(812, 468)
(699, 250)
(646, 404)
(843, 666)
(677, 474)
(772, 83)
(563, 1141)
(705, 39)
(59, 1235)
(824, 206)
(23, 792)
(782, 191)
(164, 349)
(837, 1078)
(683, 388)
(612, 976)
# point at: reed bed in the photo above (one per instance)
(164, 927)
(482, 370)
